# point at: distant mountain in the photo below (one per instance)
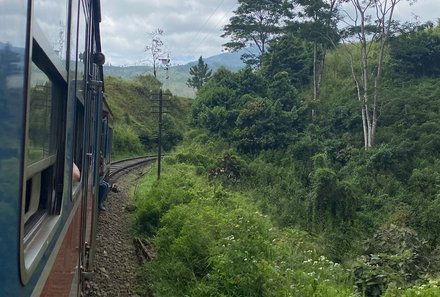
(231, 61)
(179, 74)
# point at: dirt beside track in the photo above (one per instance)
(116, 263)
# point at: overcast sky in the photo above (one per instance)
(192, 28)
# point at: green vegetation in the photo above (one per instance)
(133, 104)
(200, 74)
(212, 242)
(274, 192)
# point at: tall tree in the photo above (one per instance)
(255, 22)
(371, 23)
(291, 54)
(319, 26)
(155, 48)
(199, 74)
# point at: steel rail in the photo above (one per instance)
(118, 168)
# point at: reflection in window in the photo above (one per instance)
(51, 16)
(73, 33)
(82, 27)
(41, 118)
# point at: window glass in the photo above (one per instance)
(51, 16)
(79, 134)
(73, 36)
(44, 169)
(41, 118)
(82, 54)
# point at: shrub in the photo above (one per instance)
(214, 243)
(395, 257)
(126, 141)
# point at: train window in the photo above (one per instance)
(51, 16)
(41, 144)
(79, 134)
(76, 105)
(44, 159)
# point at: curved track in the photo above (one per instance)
(119, 168)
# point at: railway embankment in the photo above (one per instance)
(116, 263)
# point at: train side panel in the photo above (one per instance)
(12, 80)
(50, 92)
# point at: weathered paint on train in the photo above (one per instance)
(52, 113)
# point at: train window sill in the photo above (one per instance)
(35, 243)
(76, 191)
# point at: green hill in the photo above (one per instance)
(134, 106)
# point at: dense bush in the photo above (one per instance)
(394, 257)
(126, 141)
(214, 243)
(416, 53)
(431, 289)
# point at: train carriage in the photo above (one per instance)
(53, 115)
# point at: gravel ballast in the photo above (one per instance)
(116, 263)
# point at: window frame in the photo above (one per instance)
(38, 227)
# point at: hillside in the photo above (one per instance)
(134, 106)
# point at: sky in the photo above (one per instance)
(192, 28)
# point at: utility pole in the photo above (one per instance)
(159, 108)
(159, 140)
(166, 63)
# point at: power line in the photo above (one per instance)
(225, 15)
(206, 22)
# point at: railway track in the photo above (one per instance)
(119, 168)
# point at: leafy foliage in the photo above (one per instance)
(243, 115)
(212, 243)
(257, 22)
(125, 140)
(395, 257)
(416, 53)
(199, 74)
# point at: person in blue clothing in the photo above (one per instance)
(104, 186)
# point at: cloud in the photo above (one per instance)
(191, 27)
(422, 10)
(13, 23)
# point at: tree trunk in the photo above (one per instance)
(315, 90)
(318, 70)
(370, 80)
